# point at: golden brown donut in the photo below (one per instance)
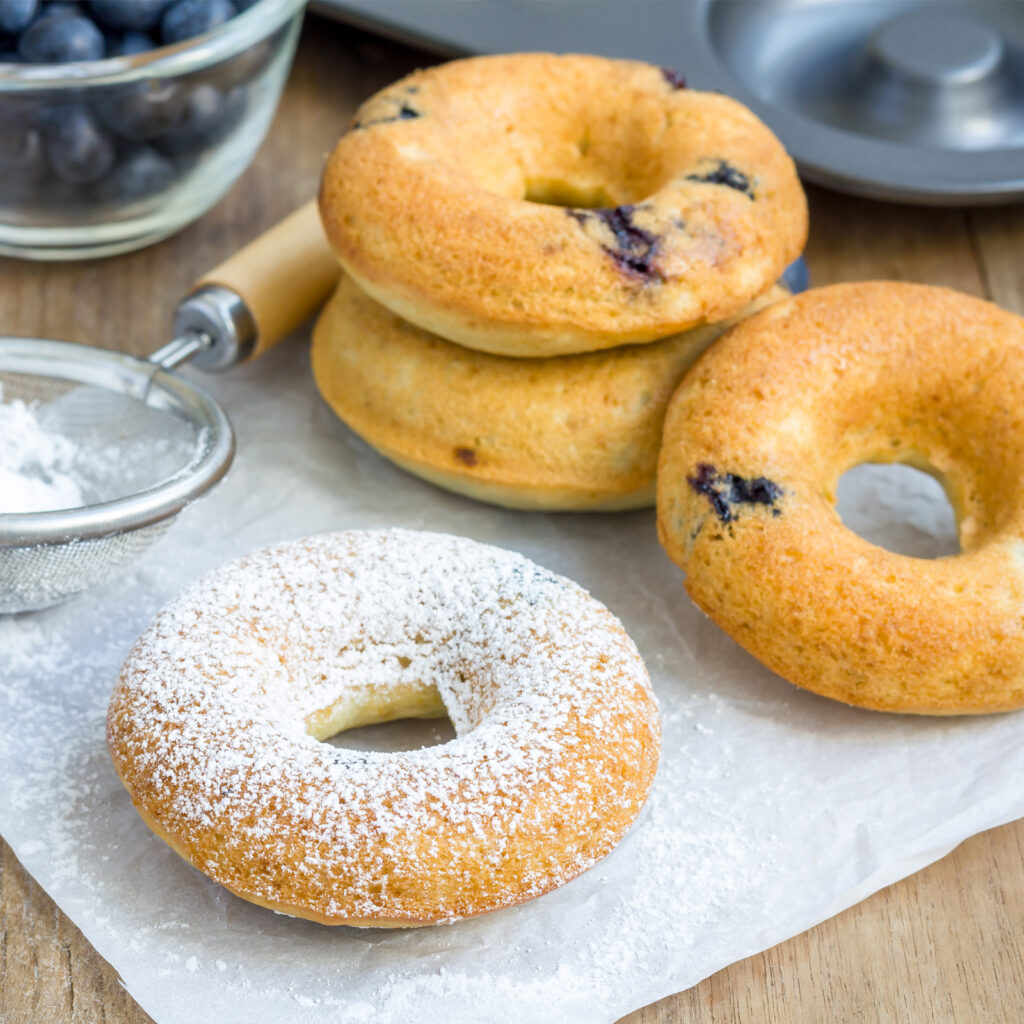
(757, 437)
(672, 207)
(215, 723)
(575, 432)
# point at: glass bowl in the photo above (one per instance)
(102, 157)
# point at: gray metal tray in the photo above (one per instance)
(914, 100)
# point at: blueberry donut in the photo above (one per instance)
(540, 205)
(756, 439)
(577, 432)
(216, 724)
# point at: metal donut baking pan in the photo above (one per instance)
(913, 100)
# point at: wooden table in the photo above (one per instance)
(942, 946)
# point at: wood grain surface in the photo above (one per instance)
(942, 946)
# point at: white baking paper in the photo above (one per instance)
(773, 808)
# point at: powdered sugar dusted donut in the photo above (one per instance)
(216, 721)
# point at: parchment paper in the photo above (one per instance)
(773, 808)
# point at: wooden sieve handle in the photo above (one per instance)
(262, 293)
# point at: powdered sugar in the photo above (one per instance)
(26, 647)
(556, 733)
(35, 463)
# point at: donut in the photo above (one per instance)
(215, 728)
(756, 439)
(541, 205)
(577, 432)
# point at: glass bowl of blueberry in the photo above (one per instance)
(121, 121)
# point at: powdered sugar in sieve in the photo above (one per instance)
(98, 452)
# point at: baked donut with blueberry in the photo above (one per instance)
(540, 205)
(756, 439)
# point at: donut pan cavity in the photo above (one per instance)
(919, 101)
(912, 100)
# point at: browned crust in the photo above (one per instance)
(426, 213)
(311, 914)
(804, 391)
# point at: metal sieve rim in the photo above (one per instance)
(147, 382)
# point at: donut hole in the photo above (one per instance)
(399, 716)
(399, 734)
(900, 508)
(558, 192)
(616, 158)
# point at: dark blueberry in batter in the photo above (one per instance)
(16, 15)
(526, 582)
(348, 757)
(142, 171)
(674, 78)
(727, 490)
(704, 483)
(725, 174)
(635, 247)
(79, 150)
(404, 113)
(466, 456)
(55, 39)
(127, 15)
(188, 18)
(758, 490)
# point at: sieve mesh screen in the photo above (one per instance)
(141, 439)
(37, 577)
(121, 445)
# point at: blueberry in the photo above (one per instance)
(143, 110)
(130, 44)
(244, 66)
(62, 9)
(188, 18)
(77, 148)
(796, 277)
(16, 15)
(21, 157)
(60, 40)
(127, 15)
(139, 172)
(209, 115)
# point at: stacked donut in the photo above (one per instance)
(536, 248)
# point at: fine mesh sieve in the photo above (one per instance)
(146, 442)
(145, 445)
